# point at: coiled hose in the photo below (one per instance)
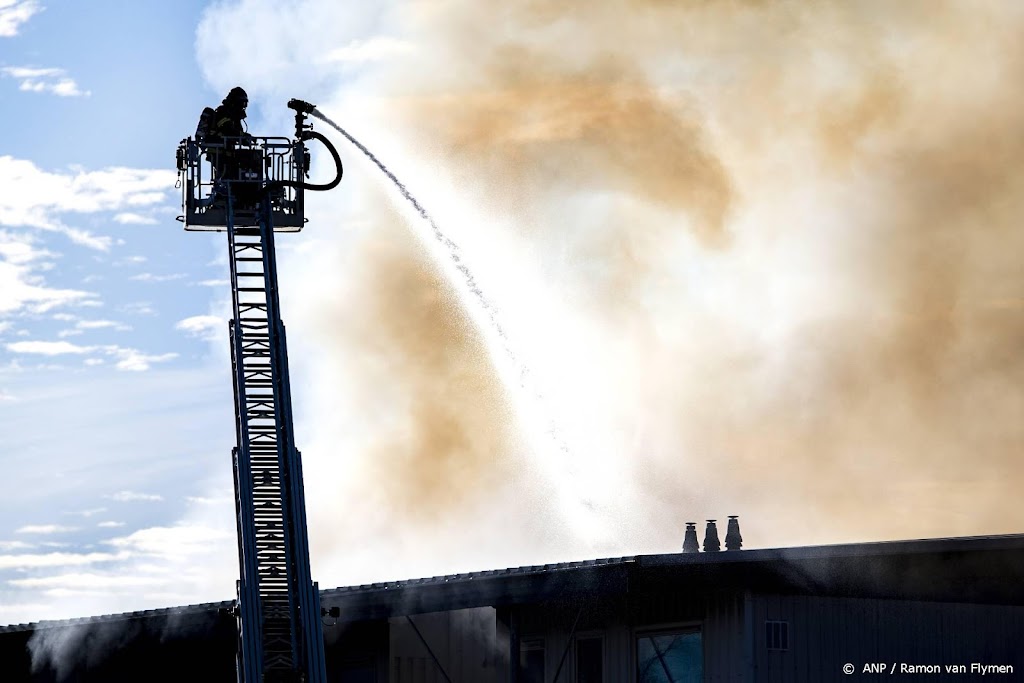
(316, 187)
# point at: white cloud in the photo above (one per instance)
(63, 317)
(45, 529)
(150, 277)
(126, 358)
(204, 326)
(36, 198)
(100, 324)
(84, 325)
(7, 546)
(86, 238)
(128, 218)
(20, 250)
(136, 361)
(174, 541)
(94, 361)
(303, 32)
(52, 80)
(45, 348)
(134, 259)
(90, 512)
(5, 396)
(139, 308)
(54, 301)
(134, 496)
(110, 525)
(203, 500)
(14, 13)
(34, 561)
(85, 581)
(214, 283)
(20, 284)
(18, 289)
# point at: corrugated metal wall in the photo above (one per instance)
(827, 633)
(719, 616)
(822, 635)
(464, 642)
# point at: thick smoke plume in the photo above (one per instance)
(764, 256)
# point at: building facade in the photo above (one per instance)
(792, 614)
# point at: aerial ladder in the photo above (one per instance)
(253, 188)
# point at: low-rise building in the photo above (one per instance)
(789, 614)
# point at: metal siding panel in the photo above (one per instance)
(946, 618)
(852, 635)
(865, 622)
(930, 630)
(735, 636)
(760, 659)
(889, 630)
(791, 613)
(839, 644)
(748, 638)
(713, 640)
(922, 628)
(799, 636)
(771, 612)
(710, 640)
(868, 633)
(740, 664)
(823, 649)
(732, 652)
(621, 670)
(821, 657)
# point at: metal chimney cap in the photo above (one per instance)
(690, 542)
(711, 542)
(733, 539)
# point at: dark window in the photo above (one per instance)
(589, 660)
(776, 635)
(531, 661)
(669, 658)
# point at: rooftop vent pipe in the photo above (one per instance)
(711, 544)
(733, 540)
(690, 542)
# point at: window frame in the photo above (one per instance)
(663, 629)
(590, 635)
(783, 635)
(532, 642)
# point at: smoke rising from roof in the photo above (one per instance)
(765, 257)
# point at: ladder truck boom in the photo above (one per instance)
(252, 188)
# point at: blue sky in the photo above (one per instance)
(771, 269)
(111, 418)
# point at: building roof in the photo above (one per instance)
(979, 569)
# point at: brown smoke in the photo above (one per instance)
(409, 338)
(590, 131)
(906, 390)
(796, 227)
